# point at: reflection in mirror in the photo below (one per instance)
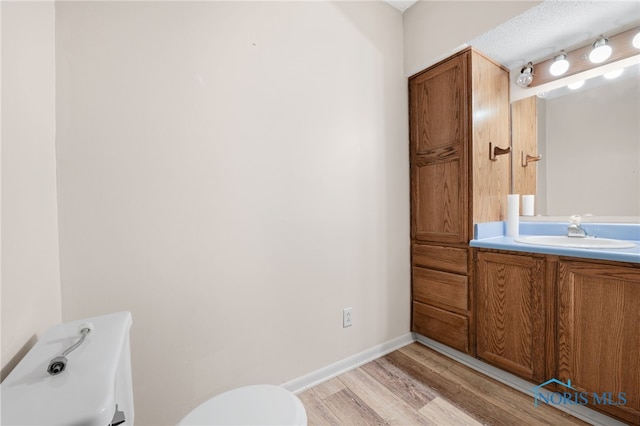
(590, 144)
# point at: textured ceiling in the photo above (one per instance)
(544, 30)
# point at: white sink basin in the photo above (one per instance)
(575, 242)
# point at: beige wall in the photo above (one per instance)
(235, 174)
(30, 269)
(592, 152)
(433, 30)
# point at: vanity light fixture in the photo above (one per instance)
(590, 56)
(526, 75)
(576, 85)
(601, 51)
(613, 74)
(560, 64)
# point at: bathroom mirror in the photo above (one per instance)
(591, 169)
(589, 139)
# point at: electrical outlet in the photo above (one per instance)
(347, 318)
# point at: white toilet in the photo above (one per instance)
(249, 405)
(87, 385)
(79, 373)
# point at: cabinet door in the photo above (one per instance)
(439, 106)
(511, 313)
(599, 334)
(438, 196)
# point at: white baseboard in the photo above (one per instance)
(354, 361)
(579, 411)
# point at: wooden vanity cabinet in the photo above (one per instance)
(599, 334)
(511, 314)
(543, 316)
(457, 108)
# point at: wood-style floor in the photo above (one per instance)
(416, 385)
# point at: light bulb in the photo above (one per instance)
(576, 85)
(613, 74)
(636, 41)
(560, 65)
(526, 76)
(601, 51)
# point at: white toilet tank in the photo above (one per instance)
(93, 389)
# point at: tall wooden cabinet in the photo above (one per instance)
(440, 113)
(458, 107)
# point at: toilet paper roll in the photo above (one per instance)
(513, 215)
(528, 202)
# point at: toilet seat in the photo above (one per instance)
(249, 405)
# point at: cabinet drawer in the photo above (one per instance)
(441, 289)
(445, 327)
(442, 258)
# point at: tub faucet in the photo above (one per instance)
(575, 228)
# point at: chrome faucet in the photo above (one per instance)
(575, 228)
